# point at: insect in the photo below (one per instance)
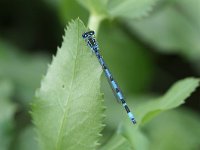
(92, 43)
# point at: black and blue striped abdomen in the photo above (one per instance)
(91, 42)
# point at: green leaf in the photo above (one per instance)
(181, 124)
(68, 111)
(117, 142)
(129, 9)
(175, 96)
(7, 110)
(173, 29)
(146, 108)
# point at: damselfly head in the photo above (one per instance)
(87, 34)
(90, 40)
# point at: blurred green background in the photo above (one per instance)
(146, 56)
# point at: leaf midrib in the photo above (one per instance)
(60, 135)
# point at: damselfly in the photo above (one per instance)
(91, 42)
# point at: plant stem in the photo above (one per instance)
(94, 22)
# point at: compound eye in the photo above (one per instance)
(84, 35)
(91, 32)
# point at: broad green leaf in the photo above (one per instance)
(174, 97)
(25, 71)
(173, 29)
(117, 142)
(129, 9)
(145, 108)
(68, 109)
(176, 129)
(7, 110)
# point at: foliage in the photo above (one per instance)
(146, 111)
(117, 8)
(177, 26)
(74, 112)
(68, 108)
